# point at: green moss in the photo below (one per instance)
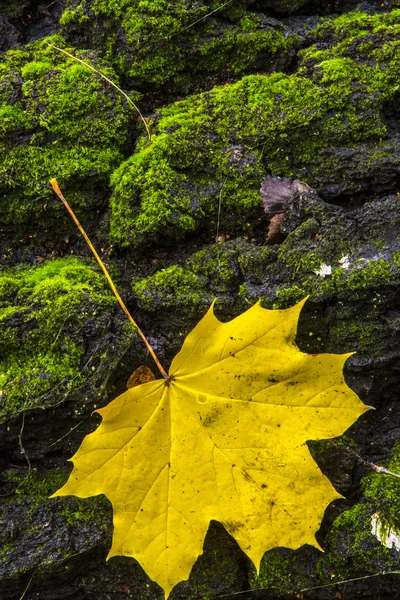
(7, 547)
(34, 512)
(357, 282)
(211, 150)
(351, 532)
(385, 490)
(59, 119)
(352, 549)
(287, 296)
(82, 511)
(396, 258)
(46, 313)
(218, 263)
(320, 447)
(37, 487)
(251, 273)
(173, 41)
(172, 287)
(353, 334)
(281, 570)
(254, 261)
(213, 272)
(14, 9)
(373, 275)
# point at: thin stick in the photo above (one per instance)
(317, 587)
(22, 449)
(219, 209)
(106, 79)
(25, 454)
(67, 434)
(198, 20)
(110, 281)
(27, 587)
(362, 461)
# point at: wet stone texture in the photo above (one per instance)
(272, 173)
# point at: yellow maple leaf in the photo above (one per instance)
(224, 438)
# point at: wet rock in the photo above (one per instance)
(10, 37)
(331, 120)
(284, 7)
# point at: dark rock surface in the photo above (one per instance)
(296, 89)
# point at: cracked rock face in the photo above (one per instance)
(271, 173)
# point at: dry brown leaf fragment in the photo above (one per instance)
(139, 376)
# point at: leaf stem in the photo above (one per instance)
(110, 281)
(114, 85)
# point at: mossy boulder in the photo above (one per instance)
(316, 259)
(328, 124)
(45, 527)
(176, 42)
(57, 119)
(59, 334)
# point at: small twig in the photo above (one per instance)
(68, 432)
(25, 454)
(219, 210)
(110, 281)
(108, 81)
(361, 460)
(317, 587)
(54, 2)
(27, 587)
(23, 451)
(198, 20)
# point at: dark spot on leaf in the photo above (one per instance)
(233, 526)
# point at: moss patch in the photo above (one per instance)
(352, 548)
(162, 41)
(283, 571)
(385, 490)
(48, 315)
(51, 530)
(169, 288)
(213, 272)
(211, 151)
(57, 119)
